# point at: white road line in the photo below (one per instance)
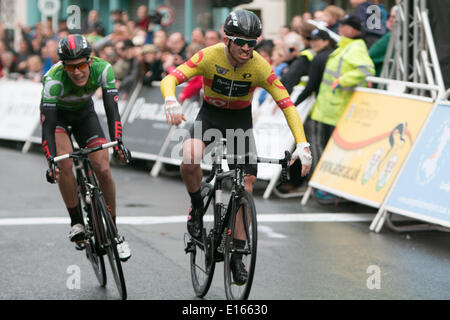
(148, 220)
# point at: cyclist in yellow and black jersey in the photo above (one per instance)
(231, 72)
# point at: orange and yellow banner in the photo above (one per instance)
(369, 145)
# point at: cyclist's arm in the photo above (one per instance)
(181, 74)
(274, 86)
(110, 102)
(48, 121)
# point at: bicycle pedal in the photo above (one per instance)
(190, 247)
(80, 246)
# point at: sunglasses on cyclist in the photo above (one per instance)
(80, 66)
(241, 42)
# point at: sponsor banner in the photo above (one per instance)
(423, 188)
(369, 145)
(19, 109)
(145, 129)
(272, 133)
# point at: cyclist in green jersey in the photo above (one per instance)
(66, 101)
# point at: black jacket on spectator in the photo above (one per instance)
(315, 74)
(296, 70)
(156, 69)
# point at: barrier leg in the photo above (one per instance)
(306, 196)
(158, 164)
(272, 184)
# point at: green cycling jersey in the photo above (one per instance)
(59, 89)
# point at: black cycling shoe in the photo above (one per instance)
(195, 222)
(240, 274)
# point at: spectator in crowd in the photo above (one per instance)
(7, 62)
(212, 37)
(151, 65)
(378, 50)
(50, 53)
(160, 40)
(296, 23)
(177, 46)
(143, 17)
(22, 56)
(195, 83)
(34, 67)
(94, 24)
(265, 50)
(283, 31)
(279, 65)
(307, 16)
(346, 68)
(108, 53)
(294, 44)
(373, 27)
(116, 16)
(332, 15)
(198, 36)
(299, 66)
(131, 76)
(121, 65)
(319, 15)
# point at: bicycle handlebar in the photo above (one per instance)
(284, 162)
(84, 152)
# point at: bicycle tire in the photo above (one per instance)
(234, 291)
(93, 250)
(202, 254)
(93, 233)
(110, 245)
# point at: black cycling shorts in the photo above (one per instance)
(85, 125)
(236, 125)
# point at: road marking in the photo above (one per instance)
(148, 220)
(270, 233)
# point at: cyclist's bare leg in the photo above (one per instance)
(249, 181)
(100, 164)
(190, 169)
(67, 182)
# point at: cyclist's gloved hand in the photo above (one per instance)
(174, 112)
(52, 172)
(303, 153)
(121, 153)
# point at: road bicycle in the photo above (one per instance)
(101, 233)
(219, 224)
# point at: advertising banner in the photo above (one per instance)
(369, 145)
(19, 109)
(145, 129)
(423, 188)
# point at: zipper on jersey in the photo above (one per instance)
(231, 88)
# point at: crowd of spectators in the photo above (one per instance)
(140, 50)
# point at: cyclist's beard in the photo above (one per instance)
(238, 61)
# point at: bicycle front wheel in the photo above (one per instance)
(202, 252)
(110, 245)
(93, 251)
(243, 226)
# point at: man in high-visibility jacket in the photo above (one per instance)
(346, 68)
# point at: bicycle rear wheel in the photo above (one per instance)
(245, 206)
(110, 244)
(202, 252)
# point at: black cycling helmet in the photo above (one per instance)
(73, 47)
(244, 23)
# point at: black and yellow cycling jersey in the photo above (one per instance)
(229, 87)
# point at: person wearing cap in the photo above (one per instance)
(152, 68)
(347, 67)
